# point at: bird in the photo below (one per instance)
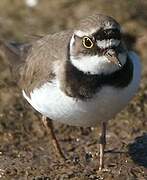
(83, 76)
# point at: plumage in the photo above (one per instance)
(46, 53)
(105, 104)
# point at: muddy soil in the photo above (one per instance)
(26, 149)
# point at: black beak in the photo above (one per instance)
(113, 57)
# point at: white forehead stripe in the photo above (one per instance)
(92, 31)
(107, 43)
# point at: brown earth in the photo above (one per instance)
(26, 151)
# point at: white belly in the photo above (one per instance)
(50, 101)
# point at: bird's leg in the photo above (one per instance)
(44, 120)
(102, 143)
(50, 128)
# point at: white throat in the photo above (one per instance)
(97, 64)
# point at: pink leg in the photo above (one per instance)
(49, 128)
(102, 146)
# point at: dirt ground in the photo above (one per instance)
(26, 150)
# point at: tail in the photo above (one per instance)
(14, 53)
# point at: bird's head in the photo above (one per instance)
(96, 46)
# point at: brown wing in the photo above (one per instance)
(40, 62)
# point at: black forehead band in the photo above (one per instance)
(103, 34)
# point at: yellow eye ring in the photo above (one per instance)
(87, 42)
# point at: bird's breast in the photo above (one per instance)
(52, 102)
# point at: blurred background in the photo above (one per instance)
(26, 151)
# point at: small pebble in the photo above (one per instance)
(75, 159)
(88, 156)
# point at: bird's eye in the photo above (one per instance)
(87, 42)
